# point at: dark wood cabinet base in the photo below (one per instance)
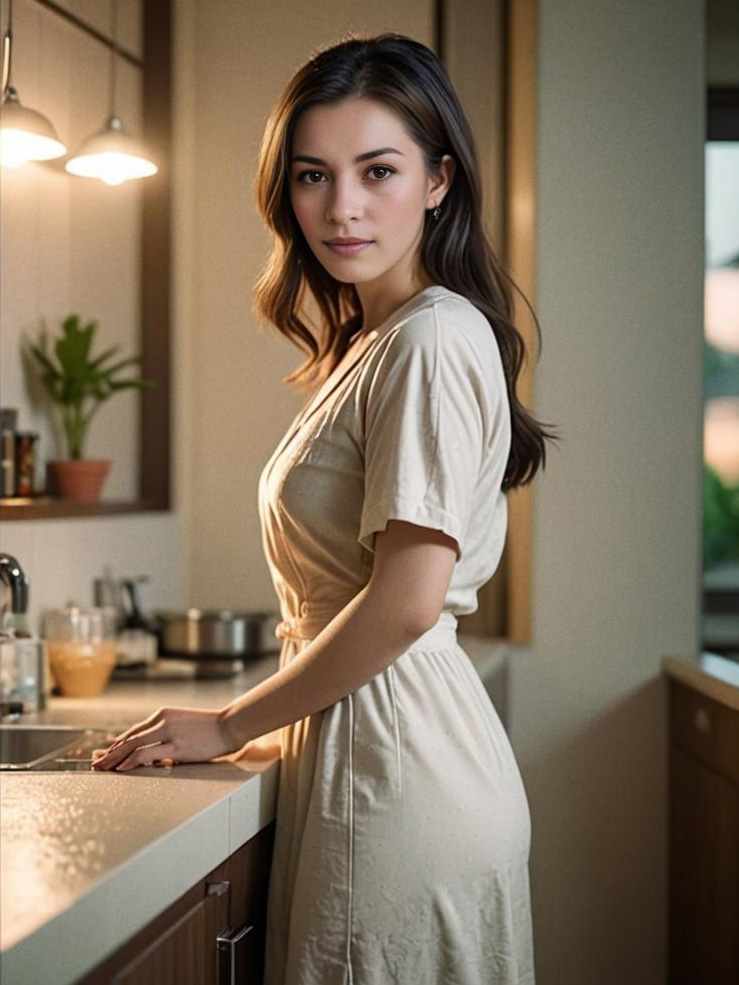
(219, 921)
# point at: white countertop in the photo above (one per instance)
(89, 858)
(711, 674)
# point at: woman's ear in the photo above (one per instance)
(450, 164)
(439, 189)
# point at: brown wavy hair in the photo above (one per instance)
(408, 78)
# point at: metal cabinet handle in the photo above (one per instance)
(217, 887)
(237, 950)
(233, 954)
(702, 721)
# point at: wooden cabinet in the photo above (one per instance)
(703, 840)
(212, 935)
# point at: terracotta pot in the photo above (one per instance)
(80, 479)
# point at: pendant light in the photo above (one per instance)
(111, 154)
(25, 135)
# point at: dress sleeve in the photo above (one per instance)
(424, 431)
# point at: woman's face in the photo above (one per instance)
(380, 198)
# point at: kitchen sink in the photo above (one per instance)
(51, 747)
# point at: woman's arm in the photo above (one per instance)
(403, 598)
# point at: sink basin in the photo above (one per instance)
(50, 747)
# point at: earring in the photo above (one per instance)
(437, 212)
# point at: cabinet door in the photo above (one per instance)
(247, 872)
(181, 946)
(185, 953)
(703, 874)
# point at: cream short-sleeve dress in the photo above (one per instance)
(403, 830)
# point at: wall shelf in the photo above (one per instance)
(51, 508)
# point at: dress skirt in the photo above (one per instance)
(403, 833)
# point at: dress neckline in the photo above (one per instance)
(358, 347)
(424, 294)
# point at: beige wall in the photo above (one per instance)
(617, 517)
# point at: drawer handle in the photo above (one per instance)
(217, 887)
(702, 721)
(235, 955)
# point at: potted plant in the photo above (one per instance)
(79, 385)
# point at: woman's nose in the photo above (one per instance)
(344, 203)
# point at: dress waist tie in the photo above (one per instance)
(313, 618)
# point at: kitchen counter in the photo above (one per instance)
(89, 858)
(710, 674)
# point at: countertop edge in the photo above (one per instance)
(56, 951)
(710, 674)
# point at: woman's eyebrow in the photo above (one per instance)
(361, 157)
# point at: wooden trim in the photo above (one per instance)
(474, 43)
(520, 223)
(722, 117)
(489, 51)
(51, 508)
(439, 15)
(155, 421)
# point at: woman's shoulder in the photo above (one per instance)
(444, 319)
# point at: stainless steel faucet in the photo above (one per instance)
(14, 578)
(21, 656)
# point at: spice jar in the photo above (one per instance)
(25, 462)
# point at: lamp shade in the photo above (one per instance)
(112, 156)
(26, 135)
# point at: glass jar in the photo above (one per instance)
(81, 646)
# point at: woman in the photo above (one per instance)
(403, 831)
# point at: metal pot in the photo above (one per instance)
(217, 634)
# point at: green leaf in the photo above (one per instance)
(73, 347)
(106, 355)
(45, 362)
(124, 362)
(124, 384)
(80, 384)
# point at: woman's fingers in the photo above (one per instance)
(146, 755)
(138, 727)
(116, 754)
(192, 735)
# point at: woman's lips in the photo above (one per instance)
(348, 249)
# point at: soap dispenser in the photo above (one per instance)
(23, 661)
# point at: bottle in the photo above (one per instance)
(107, 590)
(8, 424)
(8, 440)
(138, 643)
(25, 463)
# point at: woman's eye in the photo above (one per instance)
(381, 167)
(376, 167)
(304, 173)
